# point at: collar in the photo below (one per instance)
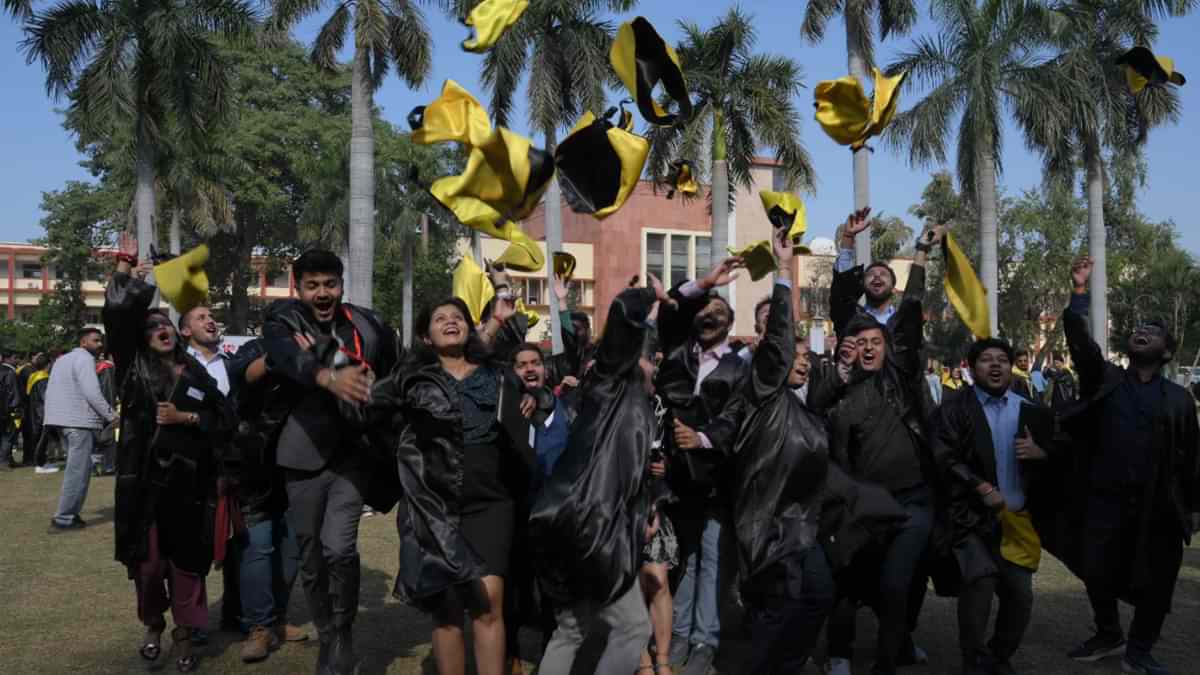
(9, 366)
(195, 353)
(715, 354)
(986, 398)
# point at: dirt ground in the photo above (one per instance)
(67, 607)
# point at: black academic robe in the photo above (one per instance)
(847, 288)
(587, 525)
(1175, 470)
(966, 455)
(165, 476)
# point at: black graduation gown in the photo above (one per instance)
(171, 484)
(587, 524)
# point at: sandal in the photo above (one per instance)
(152, 649)
(182, 636)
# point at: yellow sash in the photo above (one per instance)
(1019, 542)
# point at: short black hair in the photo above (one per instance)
(1019, 353)
(582, 317)
(1166, 331)
(527, 347)
(760, 304)
(84, 332)
(317, 261)
(980, 346)
(183, 317)
(880, 263)
(863, 322)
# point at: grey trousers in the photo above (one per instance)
(629, 622)
(78, 474)
(1013, 585)
(324, 509)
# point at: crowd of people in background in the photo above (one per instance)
(639, 482)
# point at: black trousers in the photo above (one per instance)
(1113, 535)
(325, 508)
(784, 629)
(1013, 585)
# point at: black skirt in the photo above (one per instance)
(487, 515)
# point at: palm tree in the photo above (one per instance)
(18, 9)
(563, 48)
(744, 102)
(1093, 34)
(894, 17)
(151, 63)
(387, 34)
(984, 59)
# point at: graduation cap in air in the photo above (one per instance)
(490, 19)
(759, 258)
(682, 178)
(848, 116)
(964, 291)
(599, 163)
(643, 60)
(471, 285)
(564, 265)
(1143, 68)
(522, 253)
(785, 211)
(182, 280)
(503, 180)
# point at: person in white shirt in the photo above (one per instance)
(199, 328)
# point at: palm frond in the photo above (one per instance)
(817, 14)
(896, 17)
(62, 39)
(923, 129)
(287, 13)
(501, 74)
(332, 37)
(19, 9)
(409, 43)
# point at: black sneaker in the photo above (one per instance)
(1142, 663)
(57, 528)
(1098, 647)
(700, 661)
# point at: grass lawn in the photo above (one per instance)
(67, 607)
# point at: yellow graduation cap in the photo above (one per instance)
(523, 253)
(964, 291)
(785, 210)
(490, 19)
(643, 60)
(564, 265)
(848, 116)
(1143, 68)
(682, 178)
(531, 316)
(182, 280)
(505, 175)
(599, 165)
(758, 257)
(471, 285)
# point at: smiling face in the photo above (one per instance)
(448, 328)
(798, 375)
(160, 334)
(878, 284)
(322, 292)
(711, 325)
(1148, 342)
(530, 369)
(993, 371)
(200, 328)
(872, 349)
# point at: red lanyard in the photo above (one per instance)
(357, 355)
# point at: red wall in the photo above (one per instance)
(617, 240)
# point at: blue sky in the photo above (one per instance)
(40, 155)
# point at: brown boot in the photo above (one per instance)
(288, 633)
(259, 644)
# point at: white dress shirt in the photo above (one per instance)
(215, 367)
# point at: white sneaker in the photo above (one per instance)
(46, 469)
(837, 666)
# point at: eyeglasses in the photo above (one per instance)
(1152, 328)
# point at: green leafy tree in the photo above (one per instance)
(563, 48)
(137, 67)
(745, 102)
(982, 62)
(387, 34)
(894, 17)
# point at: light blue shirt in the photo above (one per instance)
(1003, 415)
(843, 263)
(1039, 381)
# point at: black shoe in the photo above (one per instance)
(56, 527)
(1142, 662)
(341, 652)
(679, 651)
(699, 662)
(1098, 647)
(323, 667)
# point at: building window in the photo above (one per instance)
(656, 255)
(533, 291)
(677, 256)
(580, 293)
(31, 270)
(779, 180)
(814, 301)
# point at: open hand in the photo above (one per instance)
(127, 243)
(1027, 448)
(933, 235)
(857, 222)
(723, 274)
(351, 384)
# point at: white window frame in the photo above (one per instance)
(691, 236)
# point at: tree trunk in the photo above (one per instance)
(362, 185)
(144, 195)
(553, 203)
(720, 197)
(425, 234)
(857, 65)
(985, 173)
(175, 246)
(1098, 311)
(407, 297)
(239, 297)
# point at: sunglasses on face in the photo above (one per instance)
(1152, 328)
(157, 324)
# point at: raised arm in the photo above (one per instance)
(773, 358)
(688, 299)
(126, 301)
(1085, 353)
(847, 285)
